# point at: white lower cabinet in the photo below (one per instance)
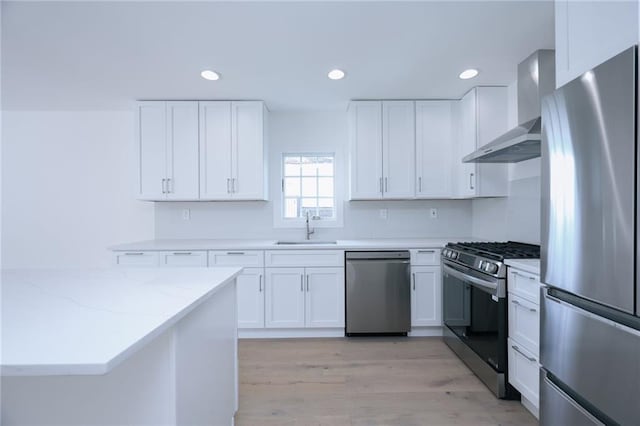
(524, 336)
(304, 297)
(250, 287)
(524, 372)
(426, 296)
(176, 259)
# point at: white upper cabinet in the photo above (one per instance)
(365, 137)
(167, 150)
(398, 149)
(382, 149)
(233, 150)
(590, 32)
(434, 148)
(481, 116)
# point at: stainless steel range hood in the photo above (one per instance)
(536, 78)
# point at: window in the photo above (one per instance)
(308, 186)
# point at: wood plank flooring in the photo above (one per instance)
(364, 381)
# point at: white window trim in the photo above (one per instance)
(280, 222)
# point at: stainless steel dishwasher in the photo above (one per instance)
(378, 292)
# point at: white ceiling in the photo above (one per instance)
(76, 55)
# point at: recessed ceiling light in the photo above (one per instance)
(210, 75)
(336, 74)
(467, 74)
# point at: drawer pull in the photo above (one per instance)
(134, 254)
(260, 284)
(235, 253)
(517, 349)
(414, 281)
(182, 253)
(426, 251)
(523, 276)
(515, 302)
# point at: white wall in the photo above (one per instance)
(67, 188)
(318, 131)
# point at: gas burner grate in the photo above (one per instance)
(503, 250)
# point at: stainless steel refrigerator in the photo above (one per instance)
(590, 313)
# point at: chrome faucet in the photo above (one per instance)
(309, 230)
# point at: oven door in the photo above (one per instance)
(475, 310)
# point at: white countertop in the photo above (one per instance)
(86, 321)
(527, 265)
(203, 244)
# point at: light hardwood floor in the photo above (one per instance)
(364, 381)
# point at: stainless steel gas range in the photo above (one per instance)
(475, 307)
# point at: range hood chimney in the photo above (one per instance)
(536, 78)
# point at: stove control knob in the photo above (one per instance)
(491, 268)
(445, 253)
(454, 255)
(481, 265)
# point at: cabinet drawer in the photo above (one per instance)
(425, 257)
(304, 258)
(524, 372)
(245, 258)
(135, 258)
(524, 285)
(524, 323)
(183, 258)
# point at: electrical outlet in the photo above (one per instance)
(186, 214)
(384, 213)
(433, 213)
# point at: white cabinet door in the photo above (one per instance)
(324, 304)
(524, 372)
(590, 32)
(398, 153)
(215, 150)
(466, 173)
(284, 297)
(152, 150)
(524, 323)
(491, 122)
(250, 287)
(182, 151)
(365, 159)
(426, 298)
(248, 153)
(434, 149)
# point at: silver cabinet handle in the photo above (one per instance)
(182, 253)
(235, 253)
(301, 282)
(426, 251)
(164, 191)
(517, 349)
(414, 281)
(134, 254)
(260, 284)
(420, 184)
(169, 186)
(228, 185)
(381, 190)
(386, 186)
(471, 180)
(307, 283)
(515, 302)
(233, 185)
(523, 276)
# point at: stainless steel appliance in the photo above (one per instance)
(590, 311)
(474, 289)
(536, 79)
(378, 292)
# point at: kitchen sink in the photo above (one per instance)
(310, 242)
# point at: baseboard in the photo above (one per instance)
(291, 333)
(530, 406)
(425, 331)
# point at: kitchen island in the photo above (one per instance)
(119, 346)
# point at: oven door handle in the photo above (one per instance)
(477, 282)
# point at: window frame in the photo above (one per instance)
(281, 222)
